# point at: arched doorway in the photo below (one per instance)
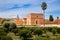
(36, 21)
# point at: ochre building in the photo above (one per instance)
(33, 18)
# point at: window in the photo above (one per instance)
(37, 16)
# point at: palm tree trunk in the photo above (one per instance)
(44, 17)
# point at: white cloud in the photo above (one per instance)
(22, 12)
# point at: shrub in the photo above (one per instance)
(14, 31)
(13, 25)
(44, 30)
(49, 29)
(6, 24)
(24, 34)
(58, 30)
(38, 31)
(54, 31)
(5, 20)
(9, 26)
(2, 32)
(5, 38)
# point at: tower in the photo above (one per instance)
(17, 17)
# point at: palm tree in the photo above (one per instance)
(44, 6)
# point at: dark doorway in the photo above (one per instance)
(36, 22)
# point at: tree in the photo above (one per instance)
(9, 26)
(5, 38)
(44, 6)
(54, 30)
(2, 32)
(3, 35)
(6, 26)
(25, 34)
(5, 20)
(57, 17)
(44, 30)
(58, 30)
(15, 31)
(49, 29)
(51, 18)
(38, 31)
(12, 26)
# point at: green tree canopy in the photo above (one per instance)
(44, 5)
(57, 17)
(9, 26)
(5, 20)
(51, 18)
(24, 34)
(38, 31)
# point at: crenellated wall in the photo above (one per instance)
(32, 18)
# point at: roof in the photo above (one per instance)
(35, 14)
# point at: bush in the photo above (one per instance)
(3, 35)
(2, 32)
(14, 31)
(13, 25)
(9, 26)
(5, 38)
(5, 20)
(49, 29)
(24, 34)
(44, 30)
(58, 30)
(6, 24)
(38, 31)
(54, 31)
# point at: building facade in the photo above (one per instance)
(33, 19)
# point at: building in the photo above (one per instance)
(17, 20)
(33, 19)
(1, 20)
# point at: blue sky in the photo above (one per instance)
(12, 8)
